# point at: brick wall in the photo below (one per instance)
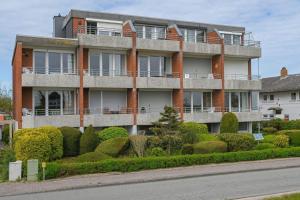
(77, 23)
(27, 97)
(27, 56)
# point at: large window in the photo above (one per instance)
(232, 38)
(48, 62)
(151, 32)
(106, 64)
(193, 35)
(54, 102)
(293, 96)
(152, 66)
(239, 101)
(254, 100)
(196, 101)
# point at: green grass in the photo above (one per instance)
(286, 197)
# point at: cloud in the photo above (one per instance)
(274, 22)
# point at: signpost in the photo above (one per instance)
(258, 136)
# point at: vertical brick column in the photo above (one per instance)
(78, 25)
(177, 68)
(17, 84)
(81, 92)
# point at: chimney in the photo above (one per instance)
(283, 72)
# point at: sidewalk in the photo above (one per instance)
(107, 179)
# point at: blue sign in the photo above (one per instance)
(258, 136)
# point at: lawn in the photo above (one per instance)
(286, 197)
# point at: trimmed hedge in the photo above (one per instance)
(262, 146)
(238, 141)
(269, 130)
(113, 147)
(294, 136)
(90, 157)
(157, 151)
(210, 147)
(55, 169)
(112, 132)
(88, 141)
(71, 140)
(229, 123)
(6, 155)
(187, 149)
(208, 137)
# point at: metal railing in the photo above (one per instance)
(30, 70)
(48, 112)
(97, 72)
(94, 30)
(200, 109)
(154, 35)
(150, 109)
(241, 109)
(202, 76)
(241, 77)
(251, 43)
(108, 110)
(157, 74)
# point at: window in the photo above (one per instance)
(54, 103)
(293, 96)
(207, 98)
(152, 66)
(187, 101)
(193, 35)
(239, 101)
(40, 62)
(91, 27)
(232, 38)
(39, 102)
(67, 63)
(244, 102)
(243, 126)
(265, 98)
(236, 39)
(271, 97)
(227, 39)
(254, 100)
(150, 32)
(278, 111)
(54, 62)
(197, 101)
(234, 101)
(265, 115)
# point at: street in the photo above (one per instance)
(214, 187)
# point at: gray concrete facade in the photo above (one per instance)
(110, 42)
(157, 45)
(242, 51)
(107, 82)
(201, 48)
(242, 84)
(147, 118)
(50, 80)
(158, 82)
(103, 120)
(53, 120)
(203, 117)
(249, 116)
(213, 84)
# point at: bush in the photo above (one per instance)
(291, 125)
(5, 134)
(88, 141)
(157, 152)
(210, 147)
(208, 137)
(262, 146)
(35, 145)
(112, 132)
(269, 130)
(187, 149)
(269, 139)
(281, 141)
(294, 136)
(71, 141)
(238, 141)
(229, 123)
(153, 141)
(6, 155)
(138, 143)
(113, 147)
(56, 140)
(55, 169)
(191, 130)
(171, 144)
(90, 157)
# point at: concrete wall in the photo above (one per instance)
(50, 80)
(147, 118)
(193, 65)
(204, 117)
(54, 120)
(155, 100)
(249, 116)
(157, 82)
(242, 84)
(242, 51)
(103, 41)
(201, 48)
(103, 120)
(158, 45)
(107, 82)
(235, 66)
(202, 84)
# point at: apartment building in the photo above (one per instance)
(119, 70)
(280, 96)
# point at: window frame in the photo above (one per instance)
(202, 109)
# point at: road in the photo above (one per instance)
(229, 186)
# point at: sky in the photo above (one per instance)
(276, 23)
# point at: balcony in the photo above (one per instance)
(155, 79)
(209, 46)
(242, 82)
(89, 36)
(246, 114)
(107, 79)
(203, 114)
(46, 78)
(202, 81)
(148, 115)
(102, 117)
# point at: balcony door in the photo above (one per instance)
(152, 66)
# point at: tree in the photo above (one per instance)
(5, 100)
(229, 123)
(89, 140)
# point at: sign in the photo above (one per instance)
(258, 136)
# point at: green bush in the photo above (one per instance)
(90, 157)
(210, 147)
(71, 141)
(262, 146)
(55, 169)
(153, 141)
(157, 152)
(189, 138)
(294, 136)
(35, 145)
(238, 141)
(275, 123)
(281, 141)
(269, 139)
(269, 130)
(113, 147)
(187, 149)
(88, 140)
(291, 125)
(138, 144)
(24, 131)
(190, 131)
(56, 140)
(5, 134)
(6, 155)
(208, 137)
(171, 143)
(112, 132)
(229, 123)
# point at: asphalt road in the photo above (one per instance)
(229, 186)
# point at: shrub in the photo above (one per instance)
(24, 131)
(56, 140)
(262, 146)
(210, 147)
(191, 130)
(189, 138)
(157, 152)
(269, 139)
(187, 149)
(112, 132)
(153, 141)
(275, 123)
(5, 134)
(291, 125)
(35, 145)
(138, 143)
(88, 141)
(294, 136)
(269, 130)
(113, 147)
(171, 144)
(71, 140)
(281, 141)
(229, 123)
(238, 141)
(90, 157)
(55, 169)
(6, 155)
(208, 137)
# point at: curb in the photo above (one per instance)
(268, 196)
(99, 184)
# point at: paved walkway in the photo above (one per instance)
(108, 179)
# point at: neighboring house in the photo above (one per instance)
(280, 96)
(120, 70)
